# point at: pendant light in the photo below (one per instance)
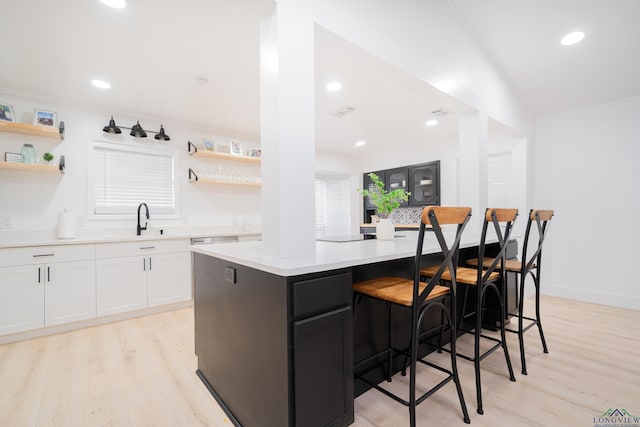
(111, 127)
(137, 131)
(161, 136)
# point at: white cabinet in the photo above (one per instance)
(45, 286)
(21, 298)
(135, 275)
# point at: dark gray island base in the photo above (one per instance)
(277, 350)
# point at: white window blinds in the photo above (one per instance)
(125, 176)
(333, 206)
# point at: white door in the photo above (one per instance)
(121, 284)
(169, 278)
(499, 168)
(21, 298)
(70, 292)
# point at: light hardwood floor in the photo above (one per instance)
(140, 372)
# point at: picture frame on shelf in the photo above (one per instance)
(13, 157)
(6, 113)
(208, 145)
(254, 152)
(235, 148)
(44, 118)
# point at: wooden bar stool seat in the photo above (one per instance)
(529, 265)
(464, 275)
(417, 297)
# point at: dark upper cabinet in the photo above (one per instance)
(367, 184)
(396, 179)
(422, 181)
(424, 184)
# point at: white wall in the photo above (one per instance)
(33, 200)
(587, 170)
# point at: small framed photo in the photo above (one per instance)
(235, 148)
(6, 113)
(208, 145)
(13, 157)
(254, 152)
(44, 118)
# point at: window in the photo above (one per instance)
(126, 176)
(333, 206)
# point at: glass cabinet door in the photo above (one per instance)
(398, 178)
(425, 187)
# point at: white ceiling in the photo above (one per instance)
(153, 51)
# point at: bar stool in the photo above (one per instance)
(418, 297)
(502, 221)
(521, 268)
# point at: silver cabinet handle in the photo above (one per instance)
(149, 263)
(144, 264)
(42, 255)
(39, 275)
(147, 247)
(48, 274)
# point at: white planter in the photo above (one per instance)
(385, 230)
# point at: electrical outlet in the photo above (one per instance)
(230, 275)
(6, 222)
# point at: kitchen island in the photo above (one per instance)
(275, 337)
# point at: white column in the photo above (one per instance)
(473, 184)
(287, 134)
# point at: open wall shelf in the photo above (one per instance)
(31, 167)
(193, 151)
(193, 178)
(25, 129)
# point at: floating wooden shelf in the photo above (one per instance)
(32, 167)
(215, 181)
(193, 151)
(34, 130)
(194, 178)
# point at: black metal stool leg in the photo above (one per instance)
(389, 344)
(503, 315)
(520, 326)
(544, 343)
(476, 350)
(454, 364)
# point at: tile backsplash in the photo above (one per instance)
(406, 215)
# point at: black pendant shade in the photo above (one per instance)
(111, 127)
(161, 135)
(137, 131)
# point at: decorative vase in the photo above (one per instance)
(385, 229)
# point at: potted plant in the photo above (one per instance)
(47, 157)
(385, 202)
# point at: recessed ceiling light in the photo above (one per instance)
(431, 122)
(116, 4)
(360, 143)
(101, 84)
(333, 86)
(572, 38)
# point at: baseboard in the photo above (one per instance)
(597, 297)
(72, 326)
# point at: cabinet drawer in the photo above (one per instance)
(311, 297)
(45, 254)
(146, 247)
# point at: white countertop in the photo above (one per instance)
(329, 255)
(17, 239)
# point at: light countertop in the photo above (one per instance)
(16, 239)
(329, 255)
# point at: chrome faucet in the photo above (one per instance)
(146, 208)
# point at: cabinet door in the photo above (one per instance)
(397, 179)
(169, 278)
(21, 298)
(70, 292)
(425, 184)
(121, 284)
(323, 369)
